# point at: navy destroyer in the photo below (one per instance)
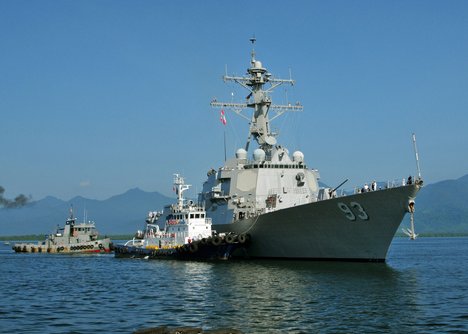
(276, 199)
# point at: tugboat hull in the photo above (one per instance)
(207, 249)
(99, 246)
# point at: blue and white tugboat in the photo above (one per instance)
(181, 231)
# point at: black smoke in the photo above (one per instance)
(19, 200)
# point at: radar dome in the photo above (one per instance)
(241, 154)
(298, 156)
(258, 64)
(259, 155)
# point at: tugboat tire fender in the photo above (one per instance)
(216, 241)
(243, 238)
(193, 247)
(230, 238)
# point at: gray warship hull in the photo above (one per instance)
(322, 230)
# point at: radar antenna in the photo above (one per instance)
(259, 100)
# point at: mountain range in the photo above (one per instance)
(440, 208)
(120, 214)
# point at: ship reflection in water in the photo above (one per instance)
(302, 296)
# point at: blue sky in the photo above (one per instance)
(97, 97)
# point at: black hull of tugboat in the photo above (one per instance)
(188, 252)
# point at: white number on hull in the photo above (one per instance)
(350, 214)
(347, 211)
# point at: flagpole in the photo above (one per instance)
(223, 120)
(225, 146)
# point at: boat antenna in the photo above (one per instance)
(253, 40)
(416, 156)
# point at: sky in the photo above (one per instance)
(99, 97)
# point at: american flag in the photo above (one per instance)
(223, 118)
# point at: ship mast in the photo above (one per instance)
(260, 101)
(180, 187)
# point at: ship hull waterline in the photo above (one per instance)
(357, 227)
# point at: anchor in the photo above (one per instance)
(410, 231)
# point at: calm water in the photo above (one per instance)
(423, 288)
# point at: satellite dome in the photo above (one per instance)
(241, 154)
(259, 155)
(298, 156)
(258, 64)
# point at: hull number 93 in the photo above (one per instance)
(353, 210)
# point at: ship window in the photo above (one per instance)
(186, 216)
(197, 215)
(191, 215)
(203, 215)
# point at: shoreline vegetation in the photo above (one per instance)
(40, 237)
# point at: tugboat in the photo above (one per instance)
(72, 238)
(276, 198)
(181, 231)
